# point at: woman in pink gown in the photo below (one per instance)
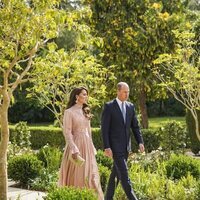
(77, 132)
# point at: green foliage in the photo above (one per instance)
(148, 161)
(173, 136)
(165, 107)
(41, 136)
(104, 176)
(184, 189)
(146, 185)
(195, 143)
(69, 66)
(97, 139)
(27, 109)
(20, 140)
(27, 25)
(179, 166)
(45, 181)
(51, 157)
(179, 72)
(24, 168)
(21, 135)
(103, 160)
(14, 150)
(158, 122)
(134, 34)
(151, 140)
(67, 193)
(155, 185)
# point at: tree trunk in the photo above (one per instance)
(196, 120)
(143, 107)
(4, 145)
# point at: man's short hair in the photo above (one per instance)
(121, 84)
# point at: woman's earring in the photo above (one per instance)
(76, 101)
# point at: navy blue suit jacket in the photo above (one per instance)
(116, 132)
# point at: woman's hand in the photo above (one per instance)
(74, 156)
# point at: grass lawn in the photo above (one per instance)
(160, 121)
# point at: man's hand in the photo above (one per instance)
(108, 153)
(74, 156)
(141, 148)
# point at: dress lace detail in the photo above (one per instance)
(77, 133)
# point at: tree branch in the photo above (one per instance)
(14, 73)
(14, 61)
(19, 79)
(22, 81)
(22, 61)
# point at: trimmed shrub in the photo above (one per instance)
(69, 193)
(103, 160)
(97, 138)
(104, 176)
(173, 136)
(21, 135)
(195, 143)
(151, 140)
(45, 181)
(179, 166)
(41, 136)
(24, 168)
(51, 157)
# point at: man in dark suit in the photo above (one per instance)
(118, 118)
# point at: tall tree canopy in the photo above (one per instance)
(134, 33)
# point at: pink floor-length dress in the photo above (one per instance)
(77, 132)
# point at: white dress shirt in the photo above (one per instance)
(120, 104)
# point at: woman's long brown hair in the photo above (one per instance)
(72, 101)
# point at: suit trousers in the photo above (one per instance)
(120, 173)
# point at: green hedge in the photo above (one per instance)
(67, 193)
(180, 165)
(104, 160)
(24, 168)
(41, 136)
(151, 140)
(104, 176)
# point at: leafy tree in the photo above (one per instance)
(67, 63)
(25, 27)
(194, 5)
(182, 75)
(135, 32)
(57, 73)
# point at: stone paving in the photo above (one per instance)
(22, 194)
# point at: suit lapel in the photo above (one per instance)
(127, 112)
(120, 112)
(118, 109)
